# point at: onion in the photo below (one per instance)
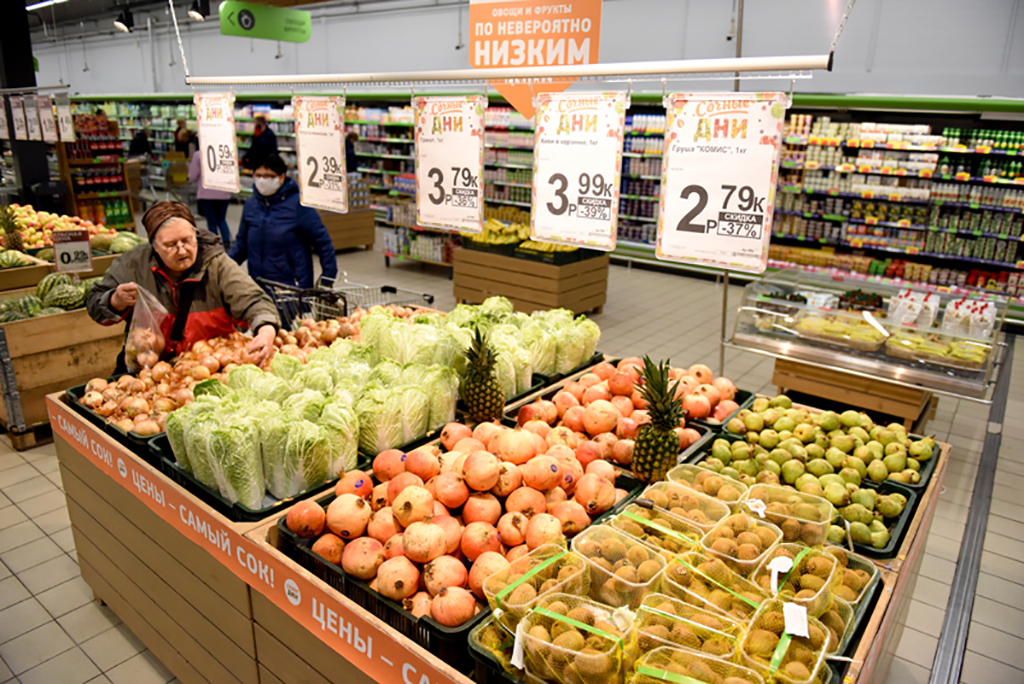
(148, 358)
(124, 382)
(112, 393)
(163, 389)
(139, 418)
(161, 370)
(164, 404)
(161, 421)
(133, 406)
(107, 409)
(211, 363)
(146, 428)
(125, 424)
(96, 385)
(92, 399)
(182, 397)
(201, 373)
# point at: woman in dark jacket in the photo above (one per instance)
(277, 234)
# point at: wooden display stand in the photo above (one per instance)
(869, 394)
(354, 229)
(531, 285)
(24, 276)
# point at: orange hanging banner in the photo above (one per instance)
(533, 33)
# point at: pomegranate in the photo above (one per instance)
(596, 393)
(711, 392)
(564, 436)
(687, 436)
(354, 482)
(486, 564)
(621, 384)
(600, 416)
(453, 606)
(588, 452)
(414, 504)
(467, 445)
(724, 409)
(702, 373)
(696, 406)
(512, 528)
(589, 380)
(439, 510)
(362, 557)
(400, 482)
(538, 428)
(509, 479)
(348, 515)
(576, 390)
(423, 464)
(627, 428)
(603, 469)
(631, 364)
(418, 604)
(555, 496)
(329, 547)
(548, 411)
(561, 452)
(607, 443)
(306, 519)
(641, 416)
(485, 431)
(481, 508)
(452, 433)
(517, 446)
(603, 370)
(424, 541)
(450, 489)
(481, 470)
(573, 419)
(527, 501)
(388, 464)
(477, 538)
(379, 496)
(638, 400)
(382, 525)
(452, 530)
(563, 401)
(573, 517)
(624, 405)
(544, 528)
(517, 552)
(540, 443)
(393, 547)
(527, 413)
(397, 578)
(725, 388)
(542, 473)
(687, 384)
(570, 472)
(444, 571)
(595, 494)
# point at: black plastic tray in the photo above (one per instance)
(450, 644)
(488, 669)
(137, 444)
(899, 528)
(504, 249)
(236, 512)
(744, 398)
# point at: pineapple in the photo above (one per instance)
(657, 444)
(480, 390)
(9, 226)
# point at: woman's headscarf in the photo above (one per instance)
(161, 212)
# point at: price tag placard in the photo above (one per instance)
(46, 121)
(65, 123)
(5, 133)
(320, 144)
(219, 148)
(577, 163)
(450, 162)
(18, 118)
(32, 118)
(71, 250)
(718, 178)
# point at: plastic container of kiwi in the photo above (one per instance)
(795, 527)
(699, 667)
(742, 596)
(491, 648)
(665, 621)
(759, 660)
(700, 509)
(512, 592)
(667, 534)
(754, 525)
(822, 598)
(605, 548)
(727, 490)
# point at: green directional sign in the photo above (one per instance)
(260, 21)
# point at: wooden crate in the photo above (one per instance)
(354, 229)
(25, 276)
(530, 285)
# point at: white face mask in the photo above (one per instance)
(268, 186)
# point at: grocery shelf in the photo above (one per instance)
(645, 134)
(644, 198)
(407, 257)
(407, 124)
(392, 190)
(882, 197)
(909, 251)
(811, 215)
(633, 175)
(501, 201)
(514, 185)
(954, 149)
(508, 147)
(645, 219)
(95, 160)
(385, 156)
(101, 195)
(643, 253)
(973, 205)
(489, 127)
(509, 166)
(642, 154)
(388, 140)
(383, 171)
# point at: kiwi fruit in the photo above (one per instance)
(649, 637)
(637, 555)
(613, 550)
(648, 569)
(522, 594)
(761, 643)
(582, 614)
(570, 640)
(684, 636)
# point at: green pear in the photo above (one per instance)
(822, 440)
(754, 422)
(903, 439)
(798, 452)
(714, 464)
(804, 479)
(860, 433)
(886, 436)
(773, 467)
(736, 426)
(837, 494)
(863, 453)
(921, 450)
(831, 478)
(876, 524)
(877, 450)
(865, 497)
(815, 451)
(742, 450)
(758, 449)
(887, 507)
(880, 539)
(856, 513)
(849, 418)
(791, 470)
(779, 456)
(767, 477)
(753, 438)
(770, 416)
(877, 471)
(914, 476)
(895, 462)
(913, 464)
(784, 435)
(828, 420)
(835, 433)
(844, 443)
(748, 480)
(836, 534)
(899, 477)
(730, 472)
(819, 467)
(769, 439)
(784, 424)
(898, 498)
(859, 533)
(747, 466)
(856, 464)
(760, 404)
(850, 475)
(875, 431)
(721, 450)
(812, 488)
(781, 401)
(804, 432)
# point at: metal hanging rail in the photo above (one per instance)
(32, 89)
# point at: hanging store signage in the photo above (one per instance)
(46, 120)
(18, 117)
(320, 144)
(533, 33)
(71, 250)
(64, 121)
(577, 159)
(32, 118)
(216, 116)
(4, 131)
(718, 178)
(249, 20)
(449, 162)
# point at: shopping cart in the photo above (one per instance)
(364, 296)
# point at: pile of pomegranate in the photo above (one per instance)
(437, 523)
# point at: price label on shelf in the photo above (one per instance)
(320, 144)
(71, 251)
(215, 113)
(5, 133)
(718, 178)
(18, 118)
(46, 121)
(32, 118)
(577, 161)
(450, 162)
(65, 123)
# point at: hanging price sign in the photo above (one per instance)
(18, 117)
(320, 144)
(32, 118)
(64, 121)
(216, 116)
(450, 162)
(718, 178)
(71, 251)
(46, 120)
(4, 131)
(577, 161)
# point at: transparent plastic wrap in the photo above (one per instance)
(707, 582)
(939, 349)
(659, 529)
(571, 640)
(858, 574)
(665, 621)
(808, 583)
(546, 570)
(803, 518)
(700, 509)
(839, 621)
(726, 489)
(492, 638)
(668, 664)
(622, 568)
(742, 541)
(850, 330)
(766, 648)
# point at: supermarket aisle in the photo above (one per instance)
(52, 631)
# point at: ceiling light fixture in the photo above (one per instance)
(45, 3)
(200, 10)
(125, 21)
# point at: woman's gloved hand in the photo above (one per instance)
(262, 344)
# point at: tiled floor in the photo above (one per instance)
(52, 632)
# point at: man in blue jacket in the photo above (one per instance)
(277, 234)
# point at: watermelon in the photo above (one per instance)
(9, 316)
(13, 259)
(64, 296)
(49, 311)
(49, 282)
(28, 305)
